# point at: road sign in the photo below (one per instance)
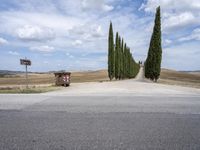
(25, 62)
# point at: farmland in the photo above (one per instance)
(47, 79)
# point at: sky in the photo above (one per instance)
(72, 35)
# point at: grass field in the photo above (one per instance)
(48, 78)
(39, 82)
(29, 90)
(180, 78)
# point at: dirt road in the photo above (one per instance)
(140, 75)
(133, 87)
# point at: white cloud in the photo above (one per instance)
(175, 21)
(107, 8)
(90, 35)
(69, 55)
(195, 35)
(44, 48)
(77, 43)
(13, 53)
(3, 41)
(176, 15)
(183, 5)
(35, 33)
(87, 31)
(167, 41)
(96, 5)
(97, 31)
(49, 22)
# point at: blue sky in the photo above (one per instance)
(72, 35)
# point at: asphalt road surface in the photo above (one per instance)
(136, 116)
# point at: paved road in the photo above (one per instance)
(34, 122)
(121, 115)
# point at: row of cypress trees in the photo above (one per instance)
(121, 64)
(153, 61)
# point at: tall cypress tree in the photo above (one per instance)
(125, 61)
(116, 55)
(119, 58)
(128, 62)
(122, 59)
(121, 63)
(111, 59)
(158, 53)
(153, 61)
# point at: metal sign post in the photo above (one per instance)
(26, 62)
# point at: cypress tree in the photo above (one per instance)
(158, 53)
(122, 59)
(119, 58)
(127, 62)
(116, 56)
(153, 61)
(121, 63)
(131, 65)
(111, 63)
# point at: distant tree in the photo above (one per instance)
(111, 56)
(153, 61)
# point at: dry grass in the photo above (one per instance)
(89, 76)
(30, 90)
(167, 77)
(48, 78)
(33, 79)
(180, 78)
